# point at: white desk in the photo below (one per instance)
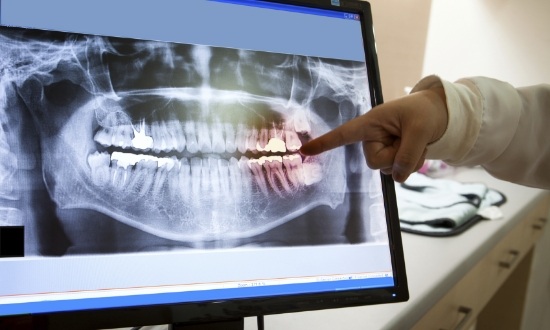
(434, 266)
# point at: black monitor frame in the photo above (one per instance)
(237, 309)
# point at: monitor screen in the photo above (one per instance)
(149, 159)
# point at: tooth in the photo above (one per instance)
(176, 135)
(218, 144)
(292, 140)
(246, 174)
(214, 173)
(240, 139)
(224, 176)
(275, 133)
(149, 167)
(141, 140)
(205, 178)
(293, 165)
(119, 177)
(252, 140)
(160, 179)
(205, 143)
(122, 136)
(301, 124)
(258, 173)
(158, 131)
(99, 165)
(275, 145)
(103, 137)
(196, 169)
(263, 140)
(230, 145)
(313, 173)
(191, 137)
(235, 178)
(276, 175)
(184, 179)
(139, 175)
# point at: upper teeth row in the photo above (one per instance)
(168, 136)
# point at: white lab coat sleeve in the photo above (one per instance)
(495, 125)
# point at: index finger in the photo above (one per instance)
(347, 133)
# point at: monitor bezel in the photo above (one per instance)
(249, 307)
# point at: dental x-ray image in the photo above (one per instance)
(112, 145)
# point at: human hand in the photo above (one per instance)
(394, 134)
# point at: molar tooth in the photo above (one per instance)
(258, 174)
(292, 141)
(122, 136)
(230, 144)
(313, 173)
(141, 141)
(252, 140)
(246, 174)
(103, 136)
(300, 121)
(276, 175)
(119, 177)
(149, 167)
(240, 139)
(263, 140)
(160, 179)
(203, 138)
(218, 144)
(294, 171)
(99, 165)
(191, 137)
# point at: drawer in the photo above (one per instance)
(459, 308)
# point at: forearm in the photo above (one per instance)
(495, 125)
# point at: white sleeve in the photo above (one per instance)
(495, 125)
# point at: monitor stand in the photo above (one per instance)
(231, 324)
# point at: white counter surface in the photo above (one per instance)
(433, 264)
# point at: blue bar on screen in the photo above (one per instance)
(192, 296)
(291, 8)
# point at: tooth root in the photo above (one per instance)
(263, 139)
(276, 176)
(252, 140)
(160, 179)
(218, 144)
(240, 139)
(224, 177)
(275, 133)
(230, 145)
(235, 178)
(246, 174)
(205, 178)
(191, 137)
(203, 138)
(120, 176)
(149, 167)
(293, 165)
(259, 176)
(184, 179)
(177, 138)
(292, 141)
(196, 173)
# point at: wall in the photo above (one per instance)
(400, 32)
(504, 39)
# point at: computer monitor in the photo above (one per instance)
(150, 170)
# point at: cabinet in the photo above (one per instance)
(492, 294)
